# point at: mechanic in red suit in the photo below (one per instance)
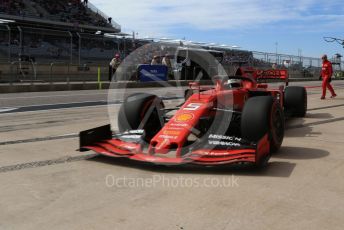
(326, 74)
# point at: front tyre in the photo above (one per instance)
(263, 115)
(141, 111)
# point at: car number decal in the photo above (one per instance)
(192, 106)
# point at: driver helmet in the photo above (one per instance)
(234, 83)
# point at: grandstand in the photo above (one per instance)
(46, 30)
(56, 14)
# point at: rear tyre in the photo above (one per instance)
(295, 101)
(141, 111)
(262, 115)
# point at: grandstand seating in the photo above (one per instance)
(70, 11)
(13, 7)
(237, 56)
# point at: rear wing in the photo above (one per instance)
(272, 74)
(261, 75)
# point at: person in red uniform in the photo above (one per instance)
(326, 74)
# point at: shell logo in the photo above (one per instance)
(184, 117)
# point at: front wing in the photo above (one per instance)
(215, 150)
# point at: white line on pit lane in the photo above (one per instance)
(56, 104)
(50, 96)
(167, 101)
(64, 95)
(5, 112)
(51, 110)
(6, 109)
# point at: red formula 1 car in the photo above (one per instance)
(239, 120)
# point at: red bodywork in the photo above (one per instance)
(166, 146)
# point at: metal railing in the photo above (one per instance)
(288, 60)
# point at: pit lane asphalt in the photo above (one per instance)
(26, 102)
(45, 182)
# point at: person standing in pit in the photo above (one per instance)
(114, 64)
(155, 60)
(326, 74)
(166, 61)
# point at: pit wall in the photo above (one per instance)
(62, 72)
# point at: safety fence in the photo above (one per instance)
(48, 45)
(289, 61)
(18, 72)
(46, 55)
